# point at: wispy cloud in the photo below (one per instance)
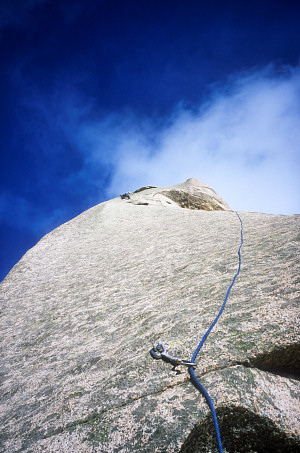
(244, 141)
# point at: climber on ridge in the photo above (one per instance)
(125, 195)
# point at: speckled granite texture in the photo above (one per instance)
(80, 310)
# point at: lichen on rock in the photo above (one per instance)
(192, 194)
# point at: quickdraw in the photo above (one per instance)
(159, 352)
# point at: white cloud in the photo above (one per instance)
(244, 142)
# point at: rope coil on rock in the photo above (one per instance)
(194, 379)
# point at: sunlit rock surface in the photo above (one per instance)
(192, 194)
(80, 310)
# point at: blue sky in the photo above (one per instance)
(100, 97)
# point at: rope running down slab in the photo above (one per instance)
(194, 379)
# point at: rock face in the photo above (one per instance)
(192, 194)
(80, 310)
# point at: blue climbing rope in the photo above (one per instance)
(194, 379)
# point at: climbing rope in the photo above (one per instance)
(159, 352)
(194, 379)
